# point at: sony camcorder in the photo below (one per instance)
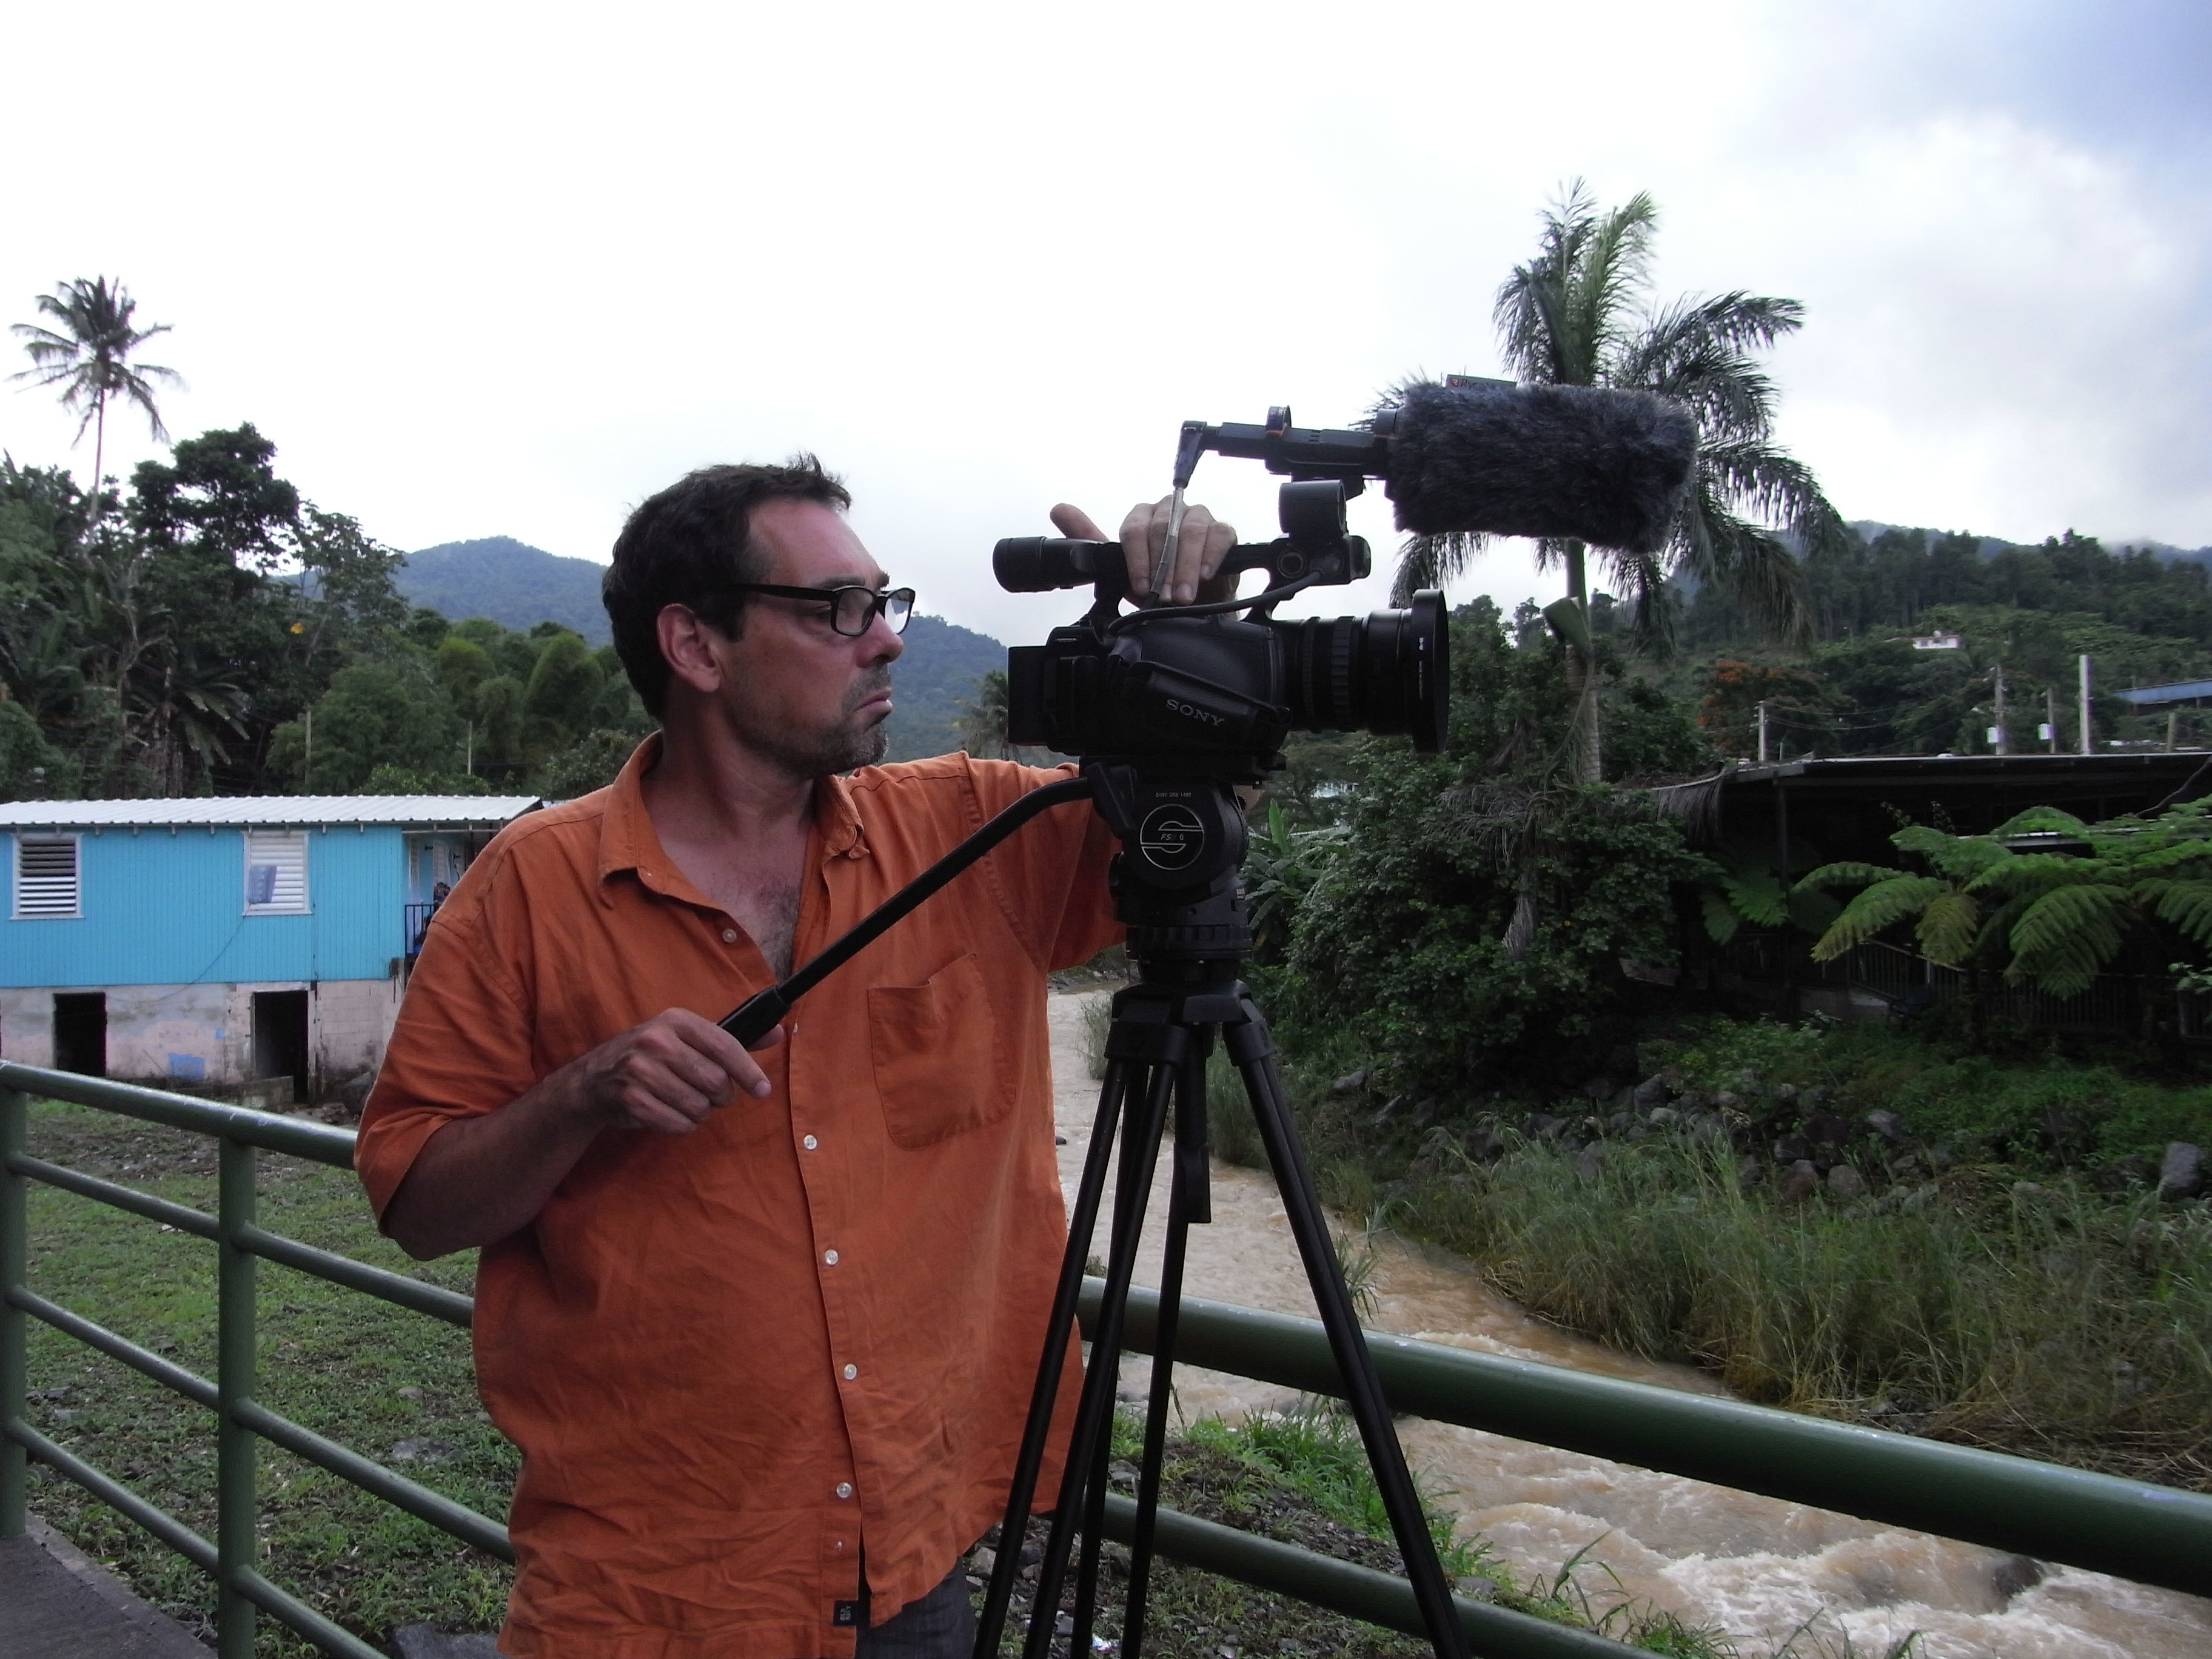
(1198, 687)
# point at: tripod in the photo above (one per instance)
(1175, 888)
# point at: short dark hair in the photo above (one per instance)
(686, 546)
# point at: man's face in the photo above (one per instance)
(794, 689)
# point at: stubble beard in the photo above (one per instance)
(835, 747)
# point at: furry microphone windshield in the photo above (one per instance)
(1558, 462)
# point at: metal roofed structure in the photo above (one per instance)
(1795, 817)
(1848, 808)
(2159, 696)
(228, 941)
(273, 811)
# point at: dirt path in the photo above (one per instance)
(1754, 1566)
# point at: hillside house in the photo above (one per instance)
(216, 942)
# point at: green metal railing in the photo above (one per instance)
(241, 1422)
(2132, 1529)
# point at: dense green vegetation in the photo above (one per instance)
(1952, 1227)
(1863, 689)
(208, 632)
(212, 633)
(1848, 1220)
(515, 584)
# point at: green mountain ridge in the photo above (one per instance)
(517, 585)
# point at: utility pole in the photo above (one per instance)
(2173, 727)
(1762, 731)
(469, 751)
(2050, 717)
(307, 764)
(2000, 739)
(2088, 744)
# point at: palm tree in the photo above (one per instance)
(1569, 317)
(90, 358)
(982, 723)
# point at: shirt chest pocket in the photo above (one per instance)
(934, 1048)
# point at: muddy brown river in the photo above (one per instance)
(1757, 1568)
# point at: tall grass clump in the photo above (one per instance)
(2049, 1319)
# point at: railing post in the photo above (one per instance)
(236, 1528)
(15, 1335)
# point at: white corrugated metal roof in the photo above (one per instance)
(455, 811)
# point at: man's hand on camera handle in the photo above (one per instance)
(1203, 544)
(477, 1179)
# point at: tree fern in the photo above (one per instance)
(1949, 924)
(2065, 937)
(2186, 905)
(1960, 857)
(1846, 873)
(2039, 821)
(1881, 906)
(1757, 896)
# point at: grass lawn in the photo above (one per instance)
(393, 1385)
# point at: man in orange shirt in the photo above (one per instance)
(763, 1324)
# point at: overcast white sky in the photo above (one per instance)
(490, 269)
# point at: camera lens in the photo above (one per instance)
(1388, 674)
(1409, 677)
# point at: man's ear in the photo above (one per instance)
(688, 644)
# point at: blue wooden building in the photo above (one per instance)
(220, 941)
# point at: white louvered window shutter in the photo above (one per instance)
(46, 876)
(276, 871)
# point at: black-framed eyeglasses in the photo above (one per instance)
(852, 608)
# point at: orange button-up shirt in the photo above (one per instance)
(730, 1357)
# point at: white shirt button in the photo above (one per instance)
(844, 1489)
(809, 1143)
(851, 1371)
(829, 1256)
(729, 936)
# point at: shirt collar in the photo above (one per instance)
(629, 844)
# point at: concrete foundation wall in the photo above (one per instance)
(203, 1034)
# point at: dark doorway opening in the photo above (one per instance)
(81, 1032)
(280, 1037)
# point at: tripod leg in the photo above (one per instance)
(1253, 1050)
(1187, 1202)
(1085, 1611)
(1082, 1227)
(1129, 1199)
(1140, 1144)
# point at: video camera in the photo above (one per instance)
(1200, 688)
(1193, 688)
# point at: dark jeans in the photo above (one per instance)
(941, 1626)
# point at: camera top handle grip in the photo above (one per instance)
(1040, 564)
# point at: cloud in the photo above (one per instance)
(486, 270)
(2006, 331)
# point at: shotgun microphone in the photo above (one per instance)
(1590, 464)
(1577, 462)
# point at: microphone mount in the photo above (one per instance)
(1305, 454)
